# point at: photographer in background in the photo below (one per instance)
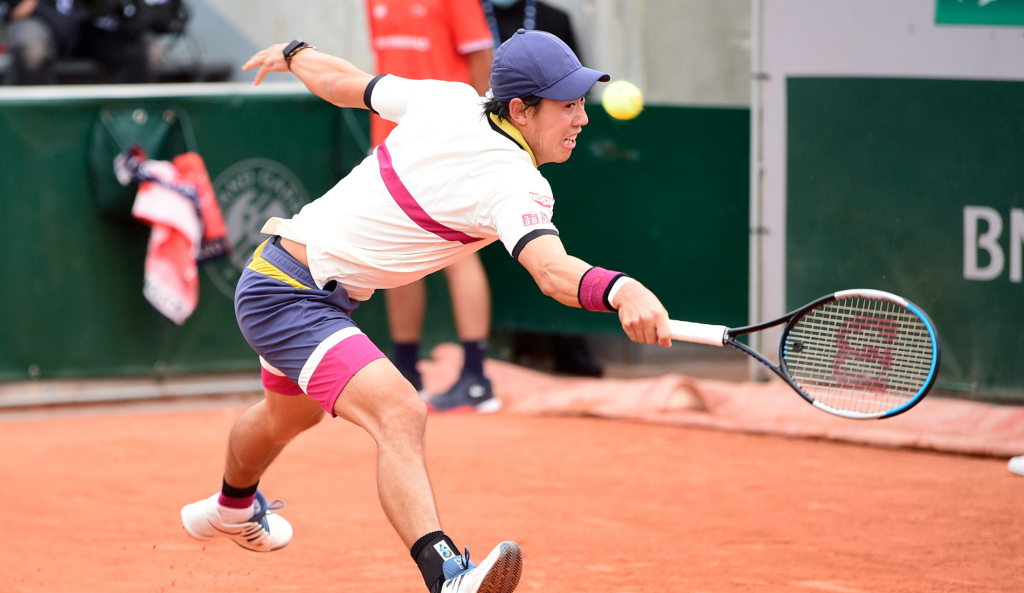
(111, 32)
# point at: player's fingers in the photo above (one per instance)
(629, 326)
(639, 331)
(650, 330)
(254, 61)
(261, 74)
(630, 332)
(664, 334)
(639, 324)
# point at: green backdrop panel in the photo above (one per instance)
(980, 12)
(662, 198)
(74, 299)
(879, 173)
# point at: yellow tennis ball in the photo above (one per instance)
(622, 100)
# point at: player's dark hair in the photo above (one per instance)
(502, 109)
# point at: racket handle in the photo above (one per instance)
(698, 333)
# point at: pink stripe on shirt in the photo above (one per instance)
(409, 205)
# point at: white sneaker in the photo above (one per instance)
(1016, 465)
(498, 573)
(266, 531)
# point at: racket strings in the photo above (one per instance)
(860, 355)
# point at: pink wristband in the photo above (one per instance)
(594, 288)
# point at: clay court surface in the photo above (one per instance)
(91, 504)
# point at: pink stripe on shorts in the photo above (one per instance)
(337, 368)
(279, 383)
(332, 373)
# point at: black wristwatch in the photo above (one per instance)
(293, 48)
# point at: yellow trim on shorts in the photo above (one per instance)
(262, 266)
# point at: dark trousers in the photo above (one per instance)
(35, 47)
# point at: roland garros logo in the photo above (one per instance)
(250, 192)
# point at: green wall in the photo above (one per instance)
(73, 301)
(663, 198)
(879, 173)
(982, 12)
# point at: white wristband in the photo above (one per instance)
(622, 281)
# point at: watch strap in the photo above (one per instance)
(293, 48)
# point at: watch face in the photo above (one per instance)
(294, 45)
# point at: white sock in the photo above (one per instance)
(235, 516)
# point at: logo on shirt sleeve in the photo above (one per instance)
(544, 201)
(530, 219)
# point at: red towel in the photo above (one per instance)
(178, 201)
(216, 243)
(171, 278)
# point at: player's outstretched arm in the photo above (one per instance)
(332, 79)
(559, 274)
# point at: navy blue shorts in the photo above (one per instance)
(305, 336)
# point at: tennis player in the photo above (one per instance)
(457, 173)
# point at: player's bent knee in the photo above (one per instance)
(402, 415)
(406, 415)
(382, 402)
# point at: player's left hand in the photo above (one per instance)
(642, 315)
(268, 60)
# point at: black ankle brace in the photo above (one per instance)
(430, 552)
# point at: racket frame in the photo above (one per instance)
(791, 318)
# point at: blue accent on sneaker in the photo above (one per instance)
(261, 510)
(470, 390)
(457, 567)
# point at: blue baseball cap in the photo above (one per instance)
(540, 64)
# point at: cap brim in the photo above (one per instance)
(573, 86)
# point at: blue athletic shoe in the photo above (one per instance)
(498, 573)
(470, 392)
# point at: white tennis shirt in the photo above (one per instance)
(447, 182)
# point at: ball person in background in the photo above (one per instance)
(569, 352)
(458, 172)
(437, 40)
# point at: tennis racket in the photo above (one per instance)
(854, 353)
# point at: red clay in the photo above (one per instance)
(91, 504)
